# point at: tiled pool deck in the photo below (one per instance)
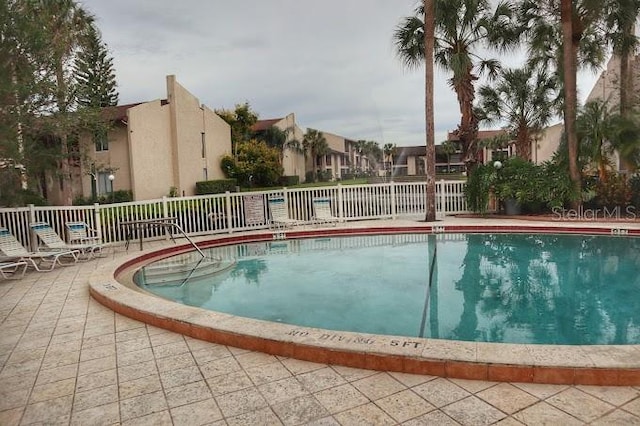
(67, 359)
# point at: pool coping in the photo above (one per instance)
(553, 364)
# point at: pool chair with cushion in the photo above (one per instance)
(322, 212)
(51, 241)
(280, 214)
(11, 248)
(13, 269)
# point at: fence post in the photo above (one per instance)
(443, 198)
(97, 221)
(393, 200)
(340, 203)
(227, 202)
(32, 219)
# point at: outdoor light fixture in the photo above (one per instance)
(497, 164)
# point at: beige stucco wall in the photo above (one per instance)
(191, 120)
(293, 161)
(161, 147)
(150, 147)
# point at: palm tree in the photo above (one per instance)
(389, 150)
(569, 71)
(562, 35)
(600, 132)
(448, 147)
(523, 99)
(430, 160)
(461, 28)
(315, 145)
(621, 19)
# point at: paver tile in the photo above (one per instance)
(440, 392)
(368, 414)
(507, 397)
(300, 410)
(580, 404)
(404, 405)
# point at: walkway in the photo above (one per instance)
(66, 359)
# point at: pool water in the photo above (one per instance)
(517, 288)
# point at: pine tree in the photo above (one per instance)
(94, 73)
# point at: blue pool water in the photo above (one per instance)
(518, 288)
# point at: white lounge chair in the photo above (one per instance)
(11, 248)
(280, 214)
(52, 241)
(81, 233)
(322, 212)
(13, 269)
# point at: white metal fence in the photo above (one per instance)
(232, 212)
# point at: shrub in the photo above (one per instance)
(219, 186)
(613, 191)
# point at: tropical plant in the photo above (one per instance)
(462, 29)
(522, 99)
(389, 150)
(315, 145)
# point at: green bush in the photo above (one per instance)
(219, 186)
(613, 191)
(533, 186)
(309, 177)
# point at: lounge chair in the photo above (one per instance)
(280, 214)
(322, 212)
(52, 241)
(11, 248)
(13, 269)
(81, 233)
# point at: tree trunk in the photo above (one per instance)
(430, 160)
(467, 131)
(569, 61)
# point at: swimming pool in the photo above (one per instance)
(513, 288)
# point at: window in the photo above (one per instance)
(204, 147)
(101, 140)
(104, 184)
(328, 159)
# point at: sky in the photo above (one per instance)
(331, 62)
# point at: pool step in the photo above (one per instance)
(180, 273)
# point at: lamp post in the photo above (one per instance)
(111, 177)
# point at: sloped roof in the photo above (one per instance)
(117, 113)
(262, 125)
(482, 134)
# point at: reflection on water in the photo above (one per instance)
(485, 287)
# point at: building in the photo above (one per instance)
(154, 148)
(293, 160)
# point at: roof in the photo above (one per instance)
(262, 125)
(482, 134)
(119, 112)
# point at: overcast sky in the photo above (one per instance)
(331, 62)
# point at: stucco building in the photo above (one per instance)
(155, 148)
(293, 161)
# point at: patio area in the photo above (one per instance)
(66, 359)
